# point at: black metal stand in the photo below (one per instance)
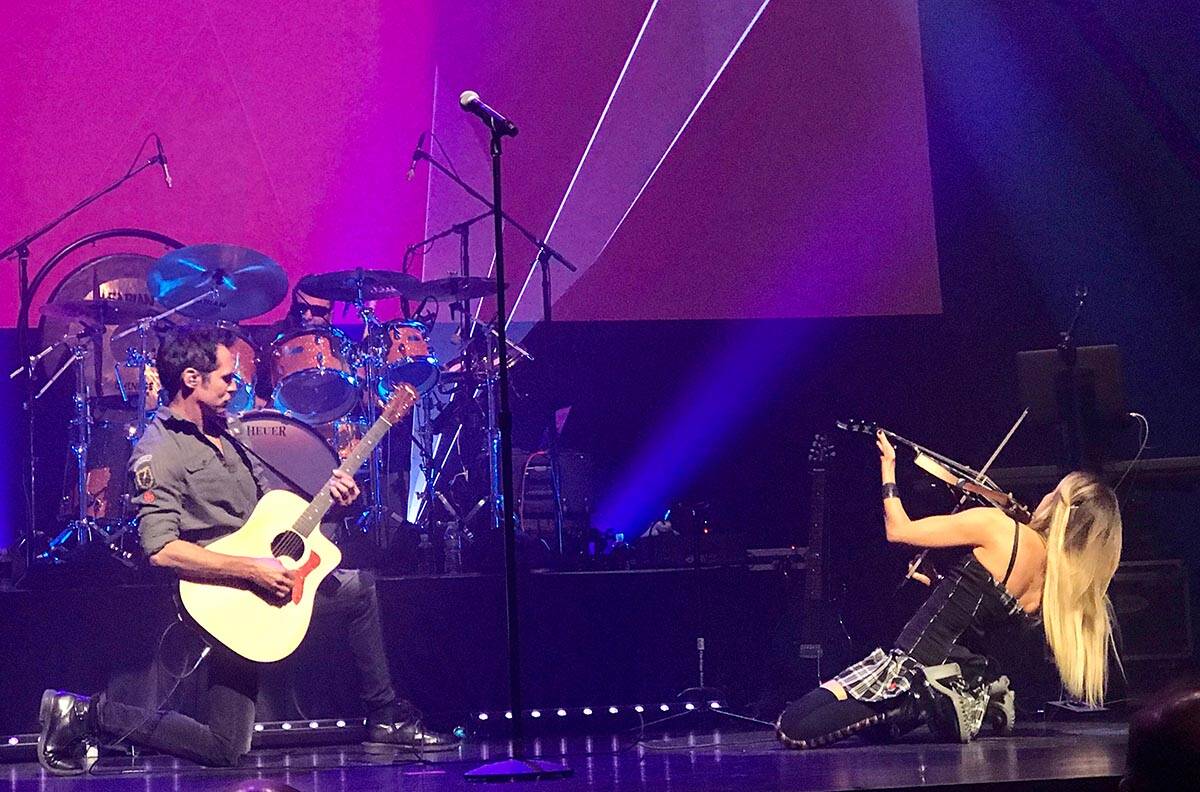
(517, 767)
(1076, 452)
(24, 302)
(546, 254)
(551, 423)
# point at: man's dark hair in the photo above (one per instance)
(189, 347)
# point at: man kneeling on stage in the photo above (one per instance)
(196, 480)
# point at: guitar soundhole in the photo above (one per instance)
(289, 544)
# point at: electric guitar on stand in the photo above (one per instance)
(287, 527)
(824, 635)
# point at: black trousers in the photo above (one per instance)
(820, 718)
(346, 595)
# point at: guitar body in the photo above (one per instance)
(239, 615)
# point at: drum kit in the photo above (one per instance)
(305, 395)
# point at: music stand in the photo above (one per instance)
(1082, 391)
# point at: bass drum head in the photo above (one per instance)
(301, 458)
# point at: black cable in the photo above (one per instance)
(116, 744)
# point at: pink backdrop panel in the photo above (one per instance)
(287, 124)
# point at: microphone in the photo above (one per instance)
(469, 101)
(162, 160)
(416, 157)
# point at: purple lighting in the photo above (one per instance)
(727, 388)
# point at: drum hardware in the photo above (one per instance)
(83, 529)
(27, 288)
(479, 372)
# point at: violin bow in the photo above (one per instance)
(919, 558)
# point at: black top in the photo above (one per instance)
(968, 598)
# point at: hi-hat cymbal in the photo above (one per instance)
(99, 312)
(357, 284)
(453, 289)
(248, 283)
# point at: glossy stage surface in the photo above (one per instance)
(1056, 756)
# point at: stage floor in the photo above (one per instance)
(1057, 756)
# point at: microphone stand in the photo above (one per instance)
(546, 254)
(518, 767)
(20, 248)
(537, 242)
(1069, 392)
(551, 418)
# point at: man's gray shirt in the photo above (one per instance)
(184, 489)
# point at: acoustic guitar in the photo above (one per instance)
(286, 526)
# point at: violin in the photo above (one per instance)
(975, 487)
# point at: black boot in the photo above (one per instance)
(402, 726)
(68, 732)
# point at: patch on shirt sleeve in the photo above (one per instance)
(143, 473)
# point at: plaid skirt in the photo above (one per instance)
(879, 676)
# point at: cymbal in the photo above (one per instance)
(352, 285)
(99, 312)
(248, 283)
(453, 289)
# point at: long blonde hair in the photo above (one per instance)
(1082, 528)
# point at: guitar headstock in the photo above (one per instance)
(400, 403)
(862, 427)
(820, 452)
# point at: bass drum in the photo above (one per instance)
(298, 458)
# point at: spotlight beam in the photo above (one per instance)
(688, 120)
(583, 158)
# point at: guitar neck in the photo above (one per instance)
(814, 588)
(321, 503)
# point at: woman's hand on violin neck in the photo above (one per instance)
(887, 454)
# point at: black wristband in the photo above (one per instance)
(890, 490)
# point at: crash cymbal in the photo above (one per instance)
(453, 289)
(248, 283)
(98, 312)
(353, 285)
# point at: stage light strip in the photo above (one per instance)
(686, 121)
(583, 158)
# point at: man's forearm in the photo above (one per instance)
(190, 559)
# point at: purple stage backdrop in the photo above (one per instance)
(695, 158)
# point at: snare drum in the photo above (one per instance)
(313, 376)
(408, 358)
(301, 458)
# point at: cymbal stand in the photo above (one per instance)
(374, 518)
(26, 288)
(82, 527)
(142, 327)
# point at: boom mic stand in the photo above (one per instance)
(546, 254)
(25, 292)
